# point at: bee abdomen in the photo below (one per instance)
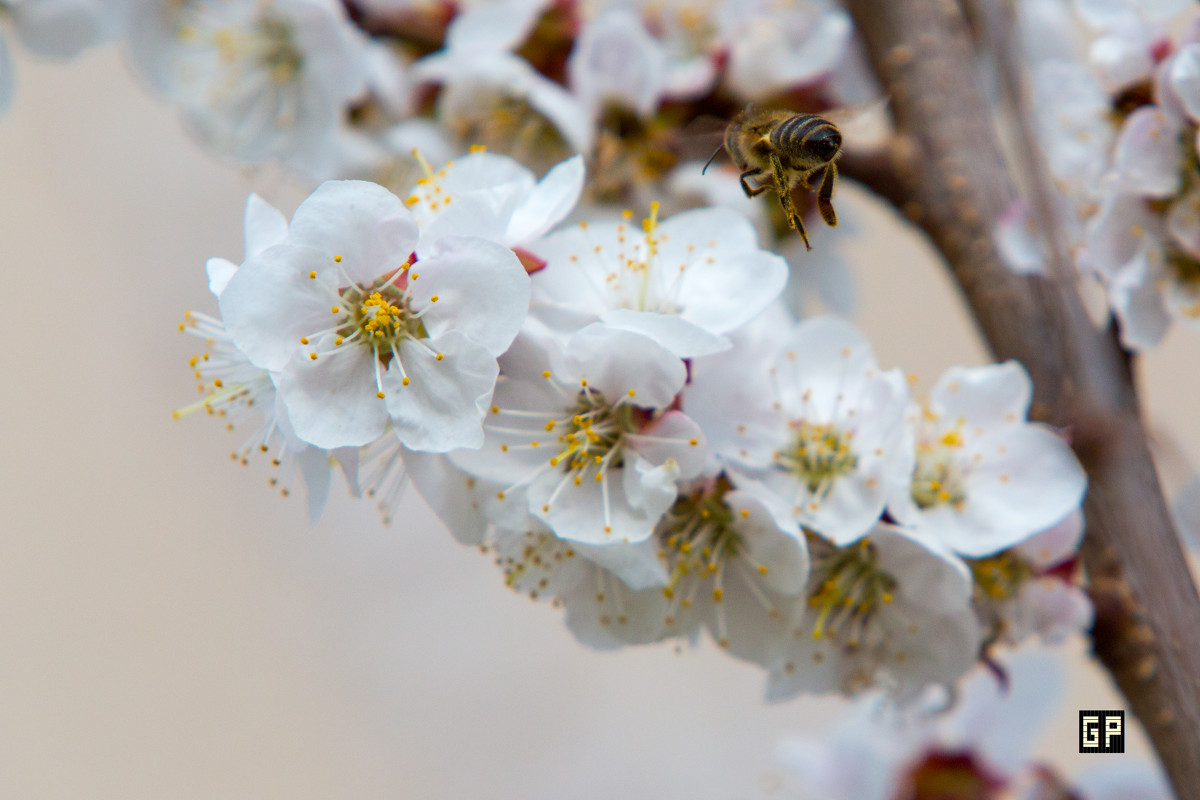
(796, 129)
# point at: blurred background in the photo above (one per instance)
(172, 628)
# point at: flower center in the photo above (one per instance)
(277, 51)
(850, 587)
(379, 316)
(820, 454)
(593, 433)
(384, 317)
(937, 478)
(1184, 269)
(1001, 576)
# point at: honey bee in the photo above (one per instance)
(781, 148)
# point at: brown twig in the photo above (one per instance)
(954, 184)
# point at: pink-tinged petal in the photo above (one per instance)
(265, 226)
(1055, 544)
(549, 202)
(271, 302)
(617, 362)
(331, 401)
(1149, 156)
(481, 288)
(672, 436)
(983, 397)
(443, 406)
(360, 221)
(683, 338)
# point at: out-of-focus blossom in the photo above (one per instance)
(254, 80)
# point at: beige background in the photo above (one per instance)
(171, 628)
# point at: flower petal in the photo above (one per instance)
(683, 338)
(360, 221)
(482, 291)
(271, 302)
(331, 401)
(444, 404)
(618, 362)
(265, 225)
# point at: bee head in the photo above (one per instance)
(825, 143)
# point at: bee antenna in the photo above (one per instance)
(716, 153)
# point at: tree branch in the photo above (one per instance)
(955, 186)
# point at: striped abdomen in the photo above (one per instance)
(806, 141)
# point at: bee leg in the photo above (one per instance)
(783, 187)
(825, 196)
(751, 191)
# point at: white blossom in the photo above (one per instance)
(586, 430)
(244, 395)
(887, 611)
(819, 424)
(255, 79)
(684, 282)
(337, 311)
(981, 478)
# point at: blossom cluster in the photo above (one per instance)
(334, 89)
(628, 418)
(1117, 101)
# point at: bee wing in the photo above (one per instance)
(862, 122)
(704, 136)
